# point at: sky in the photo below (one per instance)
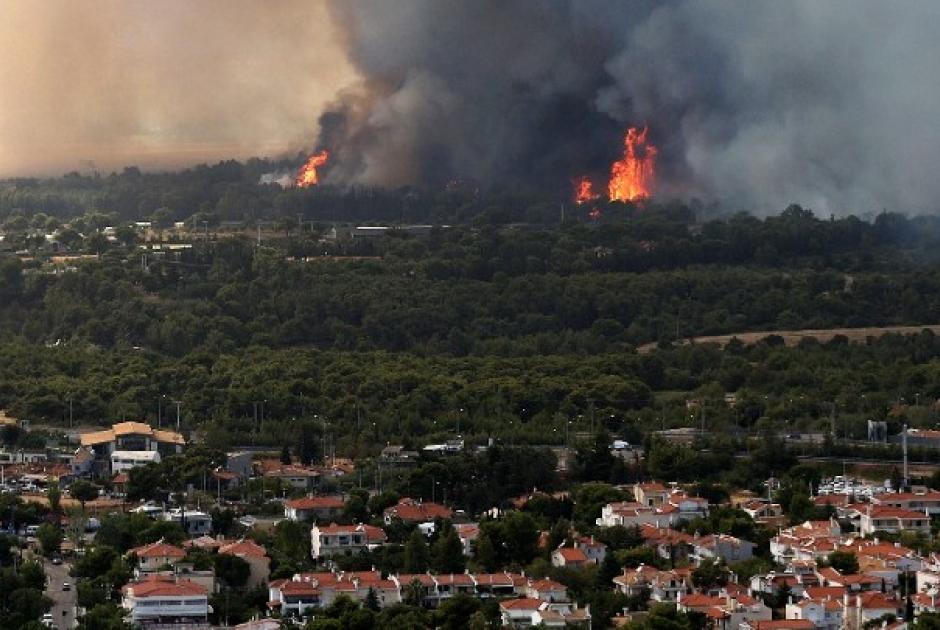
(161, 84)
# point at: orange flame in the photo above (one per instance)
(584, 191)
(307, 175)
(631, 178)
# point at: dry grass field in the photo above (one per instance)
(793, 337)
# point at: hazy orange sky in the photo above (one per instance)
(160, 84)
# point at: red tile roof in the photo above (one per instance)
(411, 510)
(317, 503)
(572, 555)
(158, 549)
(244, 548)
(373, 534)
(523, 603)
(161, 586)
(296, 587)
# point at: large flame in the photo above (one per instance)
(584, 191)
(307, 175)
(631, 178)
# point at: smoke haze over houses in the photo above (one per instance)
(758, 104)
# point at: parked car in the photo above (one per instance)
(66, 586)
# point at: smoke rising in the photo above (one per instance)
(757, 104)
(163, 83)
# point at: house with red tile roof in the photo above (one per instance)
(255, 555)
(414, 511)
(569, 557)
(663, 586)
(321, 508)
(165, 600)
(328, 540)
(292, 597)
(527, 612)
(892, 520)
(156, 556)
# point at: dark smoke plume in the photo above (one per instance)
(755, 103)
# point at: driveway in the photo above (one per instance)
(64, 601)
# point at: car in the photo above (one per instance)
(66, 586)
(56, 560)
(48, 621)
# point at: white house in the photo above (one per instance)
(333, 539)
(165, 600)
(292, 597)
(826, 614)
(527, 612)
(893, 520)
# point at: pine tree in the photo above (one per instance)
(285, 455)
(447, 553)
(416, 553)
(485, 552)
(372, 600)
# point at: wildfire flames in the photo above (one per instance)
(631, 178)
(307, 175)
(585, 191)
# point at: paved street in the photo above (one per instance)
(64, 600)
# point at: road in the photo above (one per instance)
(64, 601)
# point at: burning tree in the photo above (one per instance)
(307, 175)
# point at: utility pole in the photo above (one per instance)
(904, 448)
(177, 414)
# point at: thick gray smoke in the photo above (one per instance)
(832, 104)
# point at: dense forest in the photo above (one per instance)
(519, 331)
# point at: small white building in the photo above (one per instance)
(122, 461)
